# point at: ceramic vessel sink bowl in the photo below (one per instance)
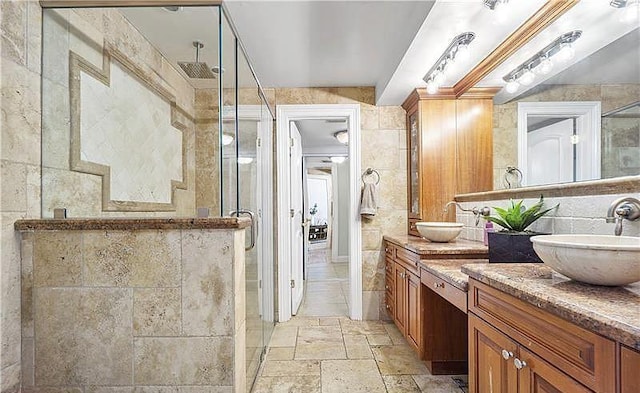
(440, 232)
(594, 259)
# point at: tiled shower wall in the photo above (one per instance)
(575, 215)
(20, 36)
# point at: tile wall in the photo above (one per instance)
(112, 310)
(580, 214)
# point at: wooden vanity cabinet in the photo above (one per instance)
(449, 151)
(516, 347)
(629, 370)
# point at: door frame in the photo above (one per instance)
(284, 115)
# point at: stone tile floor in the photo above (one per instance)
(338, 355)
(326, 286)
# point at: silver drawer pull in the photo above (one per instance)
(520, 364)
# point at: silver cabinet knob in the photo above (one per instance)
(520, 364)
(506, 354)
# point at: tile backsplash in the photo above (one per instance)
(578, 214)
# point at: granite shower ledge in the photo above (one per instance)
(426, 248)
(613, 312)
(116, 224)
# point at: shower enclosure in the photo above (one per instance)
(157, 112)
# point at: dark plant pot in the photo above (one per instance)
(512, 247)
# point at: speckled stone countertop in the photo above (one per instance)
(115, 224)
(613, 312)
(449, 270)
(427, 248)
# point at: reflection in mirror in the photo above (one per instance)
(604, 69)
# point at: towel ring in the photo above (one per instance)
(370, 172)
(512, 177)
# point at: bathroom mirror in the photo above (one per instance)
(594, 83)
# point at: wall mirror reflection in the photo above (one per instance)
(569, 107)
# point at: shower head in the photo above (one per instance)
(196, 69)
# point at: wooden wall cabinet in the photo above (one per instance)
(449, 151)
(516, 347)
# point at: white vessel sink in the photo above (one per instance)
(439, 232)
(594, 259)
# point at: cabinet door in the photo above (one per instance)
(414, 311)
(400, 317)
(629, 370)
(491, 355)
(538, 376)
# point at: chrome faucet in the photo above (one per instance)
(484, 211)
(624, 208)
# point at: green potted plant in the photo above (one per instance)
(513, 244)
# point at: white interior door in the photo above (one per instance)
(550, 154)
(297, 220)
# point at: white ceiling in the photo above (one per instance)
(318, 137)
(326, 43)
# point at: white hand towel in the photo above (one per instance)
(369, 201)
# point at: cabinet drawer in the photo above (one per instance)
(390, 285)
(586, 356)
(453, 295)
(408, 260)
(390, 306)
(389, 250)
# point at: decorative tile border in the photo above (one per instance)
(179, 120)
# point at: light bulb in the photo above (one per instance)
(527, 78)
(245, 160)
(501, 11)
(452, 66)
(631, 12)
(227, 139)
(566, 53)
(432, 87)
(338, 159)
(463, 53)
(512, 86)
(545, 66)
(438, 78)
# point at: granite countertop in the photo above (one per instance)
(449, 270)
(89, 224)
(425, 247)
(613, 312)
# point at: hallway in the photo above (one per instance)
(326, 286)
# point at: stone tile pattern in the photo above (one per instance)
(335, 355)
(505, 122)
(20, 36)
(604, 310)
(86, 32)
(578, 214)
(133, 309)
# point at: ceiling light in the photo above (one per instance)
(172, 8)
(245, 160)
(432, 87)
(338, 159)
(342, 136)
(227, 139)
(541, 62)
(456, 51)
(527, 78)
(512, 86)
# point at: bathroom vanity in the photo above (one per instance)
(425, 295)
(533, 330)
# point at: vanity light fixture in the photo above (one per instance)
(541, 62)
(342, 136)
(456, 50)
(227, 139)
(630, 9)
(499, 7)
